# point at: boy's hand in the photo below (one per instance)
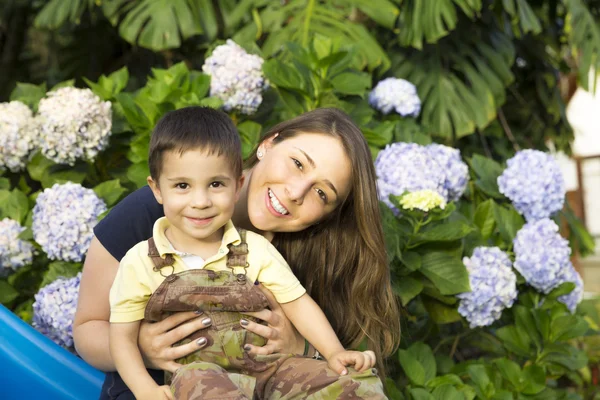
(157, 393)
(361, 360)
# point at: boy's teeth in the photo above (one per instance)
(276, 204)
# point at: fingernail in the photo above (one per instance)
(345, 372)
(244, 322)
(256, 283)
(201, 341)
(247, 347)
(206, 321)
(199, 312)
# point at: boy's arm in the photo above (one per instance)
(128, 359)
(309, 320)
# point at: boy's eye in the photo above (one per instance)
(298, 164)
(216, 184)
(182, 186)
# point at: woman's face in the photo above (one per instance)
(297, 182)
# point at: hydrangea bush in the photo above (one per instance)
(14, 252)
(534, 183)
(493, 286)
(399, 95)
(63, 220)
(54, 310)
(18, 135)
(236, 77)
(74, 124)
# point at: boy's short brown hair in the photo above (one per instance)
(194, 128)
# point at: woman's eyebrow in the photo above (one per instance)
(312, 164)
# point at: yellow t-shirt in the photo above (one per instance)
(136, 280)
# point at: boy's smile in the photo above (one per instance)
(198, 192)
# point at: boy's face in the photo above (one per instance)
(198, 192)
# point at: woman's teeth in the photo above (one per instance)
(276, 204)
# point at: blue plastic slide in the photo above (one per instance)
(34, 367)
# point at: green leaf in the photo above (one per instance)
(515, 340)
(250, 135)
(352, 83)
(29, 94)
(39, 166)
(447, 273)
(447, 392)
(110, 191)
(423, 354)
(487, 172)
(392, 390)
(60, 269)
(137, 173)
(483, 386)
(439, 312)
(7, 293)
(567, 327)
(412, 367)
(407, 289)
(420, 394)
(14, 205)
(411, 260)
(283, 75)
(564, 355)
(509, 222)
(511, 371)
(484, 218)
(56, 12)
(526, 322)
(448, 379)
(535, 379)
(445, 231)
(4, 183)
(63, 84)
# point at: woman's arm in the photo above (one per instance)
(91, 326)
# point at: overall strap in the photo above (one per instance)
(238, 256)
(158, 261)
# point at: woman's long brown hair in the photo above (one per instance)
(342, 261)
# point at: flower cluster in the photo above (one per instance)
(493, 286)
(14, 252)
(409, 167)
(54, 310)
(534, 183)
(571, 300)
(541, 254)
(423, 200)
(18, 134)
(63, 220)
(74, 123)
(396, 94)
(236, 77)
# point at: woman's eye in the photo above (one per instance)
(182, 186)
(298, 164)
(322, 195)
(216, 184)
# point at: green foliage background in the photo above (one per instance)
(489, 74)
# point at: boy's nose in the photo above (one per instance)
(201, 200)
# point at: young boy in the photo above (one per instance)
(196, 174)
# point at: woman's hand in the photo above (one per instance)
(156, 340)
(281, 335)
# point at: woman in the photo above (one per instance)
(310, 189)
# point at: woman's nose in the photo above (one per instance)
(297, 189)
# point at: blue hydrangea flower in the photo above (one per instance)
(63, 220)
(534, 183)
(396, 94)
(493, 286)
(457, 172)
(236, 77)
(54, 310)
(14, 252)
(571, 300)
(407, 167)
(541, 254)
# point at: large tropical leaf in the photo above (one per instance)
(429, 21)
(522, 17)
(56, 12)
(161, 24)
(461, 81)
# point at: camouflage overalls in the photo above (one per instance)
(222, 369)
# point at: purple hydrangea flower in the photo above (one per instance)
(63, 220)
(396, 94)
(457, 172)
(54, 310)
(541, 254)
(571, 300)
(14, 252)
(534, 183)
(493, 286)
(236, 77)
(409, 167)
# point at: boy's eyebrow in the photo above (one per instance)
(312, 163)
(212, 178)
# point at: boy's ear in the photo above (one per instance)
(240, 184)
(155, 189)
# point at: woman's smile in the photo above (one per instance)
(276, 205)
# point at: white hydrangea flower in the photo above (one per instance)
(63, 220)
(396, 94)
(236, 77)
(18, 135)
(14, 252)
(75, 124)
